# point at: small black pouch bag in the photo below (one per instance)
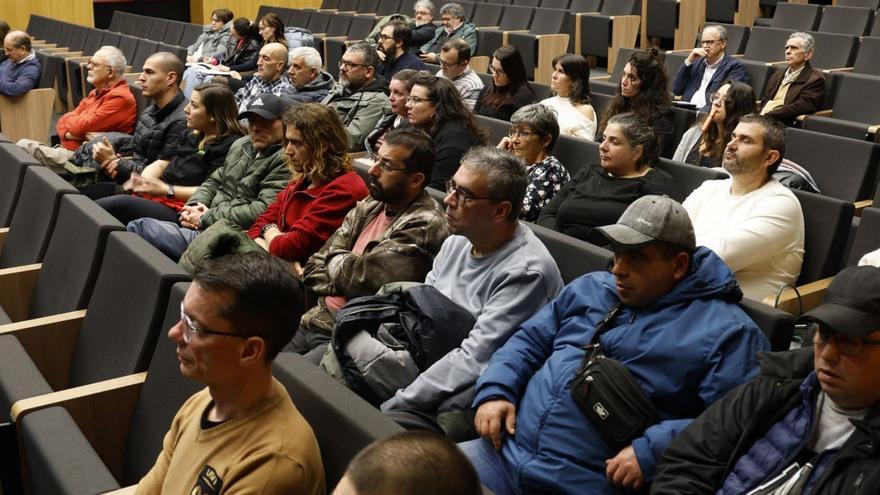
(609, 395)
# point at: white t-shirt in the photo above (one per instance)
(571, 121)
(759, 235)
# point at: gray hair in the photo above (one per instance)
(541, 119)
(638, 133)
(809, 42)
(424, 4)
(115, 59)
(721, 30)
(367, 51)
(505, 174)
(310, 57)
(453, 9)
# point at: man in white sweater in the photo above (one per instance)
(751, 221)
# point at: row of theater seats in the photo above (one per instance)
(857, 18)
(84, 307)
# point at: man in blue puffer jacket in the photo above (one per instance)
(679, 332)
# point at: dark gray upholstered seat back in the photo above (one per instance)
(843, 168)
(868, 57)
(826, 224)
(574, 257)
(867, 236)
(846, 20)
(801, 17)
(688, 177)
(496, 129)
(13, 163)
(575, 153)
(766, 44)
(834, 50)
(777, 325)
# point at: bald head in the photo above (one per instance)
(273, 58)
(17, 45)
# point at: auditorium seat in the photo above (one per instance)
(608, 84)
(853, 114)
(514, 18)
(574, 257)
(800, 17)
(13, 163)
(868, 57)
(545, 40)
(487, 14)
(334, 46)
(603, 34)
(575, 153)
(846, 20)
(870, 4)
(777, 325)
(826, 223)
(678, 20)
(688, 177)
(495, 129)
(766, 44)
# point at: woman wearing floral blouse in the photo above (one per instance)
(533, 134)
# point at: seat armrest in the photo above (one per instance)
(49, 341)
(820, 113)
(129, 490)
(600, 78)
(16, 287)
(838, 69)
(479, 63)
(873, 129)
(812, 295)
(861, 205)
(3, 233)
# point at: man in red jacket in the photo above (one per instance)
(108, 107)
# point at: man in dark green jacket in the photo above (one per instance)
(239, 191)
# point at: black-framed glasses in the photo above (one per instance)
(350, 65)
(386, 167)
(415, 100)
(462, 195)
(190, 328)
(385, 37)
(514, 132)
(847, 345)
(715, 97)
(710, 42)
(493, 70)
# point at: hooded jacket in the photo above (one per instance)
(214, 41)
(314, 91)
(360, 109)
(686, 350)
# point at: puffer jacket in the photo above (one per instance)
(686, 350)
(404, 252)
(733, 443)
(156, 136)
(316, 90)
(244, 186)
(359, 110)
(215, 42)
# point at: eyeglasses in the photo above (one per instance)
(350, 65)
(191, 329)
(92, 63)
(415, 100)
(444, 65)
(385, 37)
(386, 167)
(710, 42)
(848, 346)
(514, 132)
(462, 195)
(716, 97)
(493, 70)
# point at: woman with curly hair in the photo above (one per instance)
(436, 107)
(704, 144)
(509, 90)
(323, 189)
(571, 100)
(644, 91)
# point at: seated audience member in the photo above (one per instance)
(309, 82)
(242, 49)
(808, 423)
(270, 30)
(643, 90)
(532, 136)
(435, 106)
(110, 107)
(598, 194)
(323, 190)
(361, 95)
(156, 133)
(667, 312)
(454, 59)
(570, 84)
(390, 237)
(412, 462)
(703, 145)
(423, 29)
(211, 44)
(399, 87)
(20, 72)
(394, 41)
(242, 433)
(454, 26)
(509, 89)
(706, 68)
(751, 221)
(4, 30)
(494, 267)
(163, 188)
(269, 77)
(239, 191)
(798, 90)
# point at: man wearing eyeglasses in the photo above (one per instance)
(809, 423)
(390, 237)
(394, 42)
(361, 95)
(242, 433)
(707, 68)
(454, 59)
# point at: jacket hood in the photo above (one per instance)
(377, 85)
(225, 29)
(708, 278)
(795, 364)
(323, 81)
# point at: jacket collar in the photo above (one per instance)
(159, 114)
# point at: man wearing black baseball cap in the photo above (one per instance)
(239, 191)
(667, 312)
(809, 424)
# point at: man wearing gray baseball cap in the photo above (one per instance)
(810, 423)
(666, 312)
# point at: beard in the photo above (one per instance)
(383, 194)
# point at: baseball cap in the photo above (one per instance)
(265, 105)
(648, 219)
(852, 302)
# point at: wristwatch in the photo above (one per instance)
(266, 228)
(170, 194)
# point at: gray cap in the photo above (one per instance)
(648, 219)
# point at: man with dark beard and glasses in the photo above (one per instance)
(393, 49)
(390, 237)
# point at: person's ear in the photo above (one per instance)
(681, 263)
(253, 351)
(771, 158)
(502, 211)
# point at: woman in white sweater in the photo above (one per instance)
(571, 85)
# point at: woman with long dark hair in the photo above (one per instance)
(241, 52)
(644, 91)
(571, 99)
(509, 89)
(436, 107)
(704, 144)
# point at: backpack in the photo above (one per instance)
(297, 37)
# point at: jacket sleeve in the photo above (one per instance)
(427, 46)
(24, 81)
(737, 72)
(218, 47)
(195, 46)
(244, 215)
(470, 36)
(271, 215)
(808, 101)
(205, 193)
(365, 120)
(681, 78)
(110, 115)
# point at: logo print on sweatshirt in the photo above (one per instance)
(208, 482)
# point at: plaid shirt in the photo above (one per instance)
(256, 86)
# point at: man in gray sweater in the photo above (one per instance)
(492, 266)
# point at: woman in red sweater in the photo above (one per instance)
(323, 189)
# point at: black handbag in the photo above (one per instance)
(609, 395)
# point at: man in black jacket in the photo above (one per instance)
(809, 424)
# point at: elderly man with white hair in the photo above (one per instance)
(309, 82)
(110, 107)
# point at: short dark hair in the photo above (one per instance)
(505, 174)
(413, 462)
(402, 33)
(773, 136)
(266, 297)
(420, 146)
(223, 15)
(461, 47)
(170, 62)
